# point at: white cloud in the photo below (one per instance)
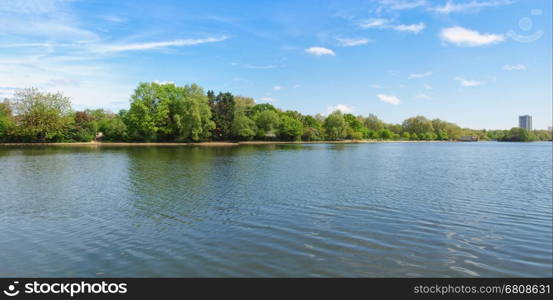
(376, 86)
(296, 86)
(469, 38)
(341, 107)
(256, 67)
(31, 6)
(349, 42)
(420, 75)
(113, 19)
(389, 99)
(55, 49)
(387, 24)
(427, 87)
(164, 82)
(465, 82)
(89, 84)
(277, 88)
(264, 67)
(514, 67)
(320, 51)
(414, 28)
(50, 20)
(106, 48)
(268, 99)
(452, 7)
(59, 82)
(374, 23)
(49, 29)
(421, 96)
(401, 4)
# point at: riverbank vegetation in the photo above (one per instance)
(171, 113)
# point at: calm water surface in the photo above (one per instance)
(389, 209)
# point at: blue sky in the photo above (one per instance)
(478, 63)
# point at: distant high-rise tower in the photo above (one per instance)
(525, 122)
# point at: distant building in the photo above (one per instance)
(550, 128)
(525, 122)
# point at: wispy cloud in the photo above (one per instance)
(256, 67)
(164, 82)
(468, 83)
(414, 28)
(374, 23)
(277, 88)
(474, 5)
(469, 38)
(389, 99)
(50, 20)
(514, 67)
(420, 75)
(388, 24)
(267, 99)
(107, 48)
(422, 96)
(392, 6)
(341, 107)
(427, 87)
(320, 51)
(46, 29)
(113, 19)
(62, 82)
(30, 6)
(401, 4)
(351, 42)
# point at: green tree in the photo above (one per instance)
(542, 135)
(385, 134)
(141, 119)
(191, 115)
(243, 127)
(442, 135)
(113, 128)
(312, 129)
(430, 136)
(335, 126)
(259, 108)
(241, 101)
(355, 129)
(290, 129)
(267, 122)
(169, 112)
(517, 134)
(41, 116)
(446, 130)
(6, 121)
(372, 122)
(419, 125)
(83, 127)
(222, 110)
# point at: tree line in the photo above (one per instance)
(171, 113)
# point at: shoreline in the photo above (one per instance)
(210, 144)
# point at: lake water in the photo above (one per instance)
(384, 209)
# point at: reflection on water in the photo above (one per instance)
(390, 209)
